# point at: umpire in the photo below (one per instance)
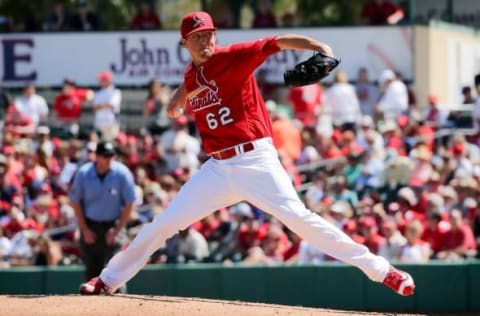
(102, 195)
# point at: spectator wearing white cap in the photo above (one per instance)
(106, 105)
(394, 99)
(339, 213)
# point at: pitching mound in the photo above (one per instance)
(147, 305)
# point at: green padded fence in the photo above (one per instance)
(441, 287)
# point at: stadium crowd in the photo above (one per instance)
(86, 16)
(367, 156)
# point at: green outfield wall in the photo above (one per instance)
(452, 288)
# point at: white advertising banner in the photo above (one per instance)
(136, 57)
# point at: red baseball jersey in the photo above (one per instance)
(224, 98)
(69, 106)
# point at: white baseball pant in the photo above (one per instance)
(259, 178)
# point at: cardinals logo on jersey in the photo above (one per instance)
(205, 95)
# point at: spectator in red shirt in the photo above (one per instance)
(378, 12)
(68, 104)
(350, 227)
(146, 19)
(7, 189)
(329, 148)
(305, 102)
(275, 243)
(291, 253)
(271, 250)
(250, 235)
(18, 124)
(14, 156)
(348, 144)
(421, 133)
(458, 243)
(435, 230)
(369, 228)
(10, 181)
(207, 225)
(17, 221)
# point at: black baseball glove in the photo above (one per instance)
(310, 71)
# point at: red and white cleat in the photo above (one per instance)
(399, 281)
(94, 287)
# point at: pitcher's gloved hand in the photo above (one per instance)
(311, 70)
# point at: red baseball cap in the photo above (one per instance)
(195, 22)
(8, 150)
(350, 226)
(432, 99)
(105, 76)
(181, 120)
(368, 221)
(458, 148)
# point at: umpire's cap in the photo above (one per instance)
(106, 148)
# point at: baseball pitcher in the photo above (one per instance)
(220, 89)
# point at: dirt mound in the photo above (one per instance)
(20, 305)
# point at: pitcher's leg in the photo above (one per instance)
(204, 193)
(271, 189)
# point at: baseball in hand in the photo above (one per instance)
(177, 111)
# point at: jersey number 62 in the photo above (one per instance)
(222, 117)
